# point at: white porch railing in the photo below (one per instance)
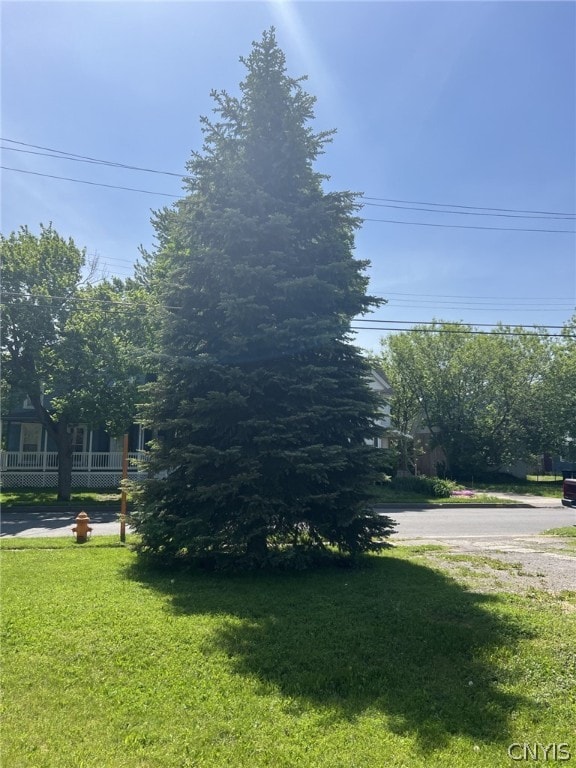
(86, 462)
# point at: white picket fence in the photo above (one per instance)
(12, 460)
(89, 470)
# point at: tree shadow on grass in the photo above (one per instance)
(393, 637)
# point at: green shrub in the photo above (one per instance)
(425, 486)
(442, 487)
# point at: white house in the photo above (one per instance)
(379, 384)
(30, 459)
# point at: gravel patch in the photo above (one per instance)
(518, 565)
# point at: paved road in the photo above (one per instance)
(448, 522)
(490, 522)
(56, 523)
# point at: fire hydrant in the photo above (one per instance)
(82, 529)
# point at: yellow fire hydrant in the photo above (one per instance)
(82, 529)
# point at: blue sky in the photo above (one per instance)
(466, 103)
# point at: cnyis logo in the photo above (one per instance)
(537, 751)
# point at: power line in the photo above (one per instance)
(383, 221)
(110, 164)
(470, 207)
(92, 183)
(82, 299)
(496, 308)
(491, 308)
(459, 296)
(121, 166)
(486, 303)
(449, 322)
(426, 303)
(129, 303)
(99, 259)
(461, 302)
(365, 328)
(61, 155)
(475, 333)
(472, 213)
(470, 226)
(118, 259)
(29, 295)
(411, 306)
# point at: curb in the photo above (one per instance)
(71, 511)
(471, 505)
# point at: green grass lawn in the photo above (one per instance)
(550, 488)
(388, 495)
(567, 532)
(47, 498)
(106, 665)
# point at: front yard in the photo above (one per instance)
(398, 663)
(388, 495)
(47, 498)
(532, 486)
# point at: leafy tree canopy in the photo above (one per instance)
(485, 399)
(65, 343)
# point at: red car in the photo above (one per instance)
(569, 492)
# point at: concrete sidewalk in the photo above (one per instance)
(31, 522)
(546, 502)
(515, 501)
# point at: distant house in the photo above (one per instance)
(29, 458)
(380, 384)
(564, 465)
(430, 459)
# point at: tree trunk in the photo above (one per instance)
(64, 446)
(404, 454)
(58, 431)
(258, 546)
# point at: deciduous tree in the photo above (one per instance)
(480, 396)
(559, 396)
(65, 343)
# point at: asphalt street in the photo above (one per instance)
(489, 522)
(440, 522)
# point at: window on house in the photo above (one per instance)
(116, 444)
(28, 403)
(30, 437)
(78, 439)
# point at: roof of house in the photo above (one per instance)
(381, 381)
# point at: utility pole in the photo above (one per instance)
(123, 492)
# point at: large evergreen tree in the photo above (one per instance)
(262, 403)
